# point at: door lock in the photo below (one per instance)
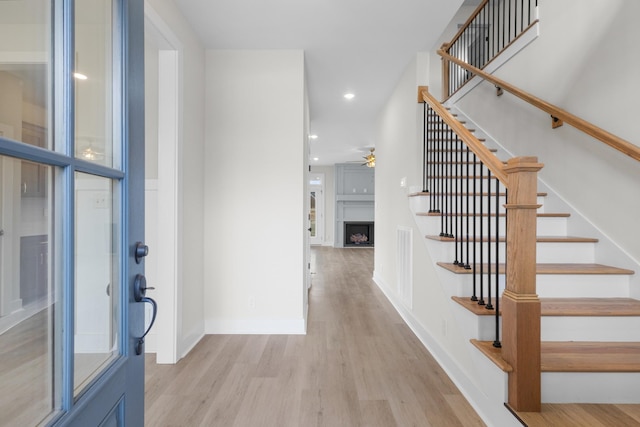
(141, 250)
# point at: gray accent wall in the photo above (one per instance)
(355, 196)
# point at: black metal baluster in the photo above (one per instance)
(468, 210)
(459, 201)
(485, 41)
(509, 23)
(481, 236)
(435, 166)
(515, 16)
(442, 207)
(446, 212)
(425, 162)
(439, 166)
(489, 305)
(454, 68)
(504, 9)
(493, 28)
(474, 179)
(452, 177)
(432, 156)
(496, 342)
(456, 205)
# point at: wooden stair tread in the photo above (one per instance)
(550, 268)
(494, 354)
(539, 239)
(575, 356)
(577, 307)
(580, 415)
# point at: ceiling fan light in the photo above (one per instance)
(370, 159)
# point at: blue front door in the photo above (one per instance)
(72, 213)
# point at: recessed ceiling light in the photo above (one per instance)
(80, 76)
(315, 159)
(313, 136)
(349, 96)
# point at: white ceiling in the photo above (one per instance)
(358, 46)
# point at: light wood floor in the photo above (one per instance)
(358, 365)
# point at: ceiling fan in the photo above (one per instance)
(370, 159)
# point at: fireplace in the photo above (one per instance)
(358, 233)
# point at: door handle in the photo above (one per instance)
(139, 294)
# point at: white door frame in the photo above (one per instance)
(168, 292)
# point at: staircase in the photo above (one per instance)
(590, 328)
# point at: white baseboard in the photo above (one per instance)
(190, 342)
(255, 326)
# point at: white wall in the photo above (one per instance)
(590, 71)
(190, 175)
(398, 156)
(255, 192)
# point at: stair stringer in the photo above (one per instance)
(556, 387)
(491, 380)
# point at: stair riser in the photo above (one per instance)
(582, 286)
(451, 175)
(552, 285)
(465, 289)
(590, 387)
(546, 252)
(545, 226)
(481, 203)
(482, 328)
(564, 328)
(561, 328)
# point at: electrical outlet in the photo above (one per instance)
(252, 302)
(444, 327)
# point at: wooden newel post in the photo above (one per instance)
(445, 74)
(520, 303)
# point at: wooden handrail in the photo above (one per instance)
(487, 157)
(600, 134)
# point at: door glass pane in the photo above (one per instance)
(312, 214)
(24, 70)
(27, 294)
(93, 81)
(96, 277)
